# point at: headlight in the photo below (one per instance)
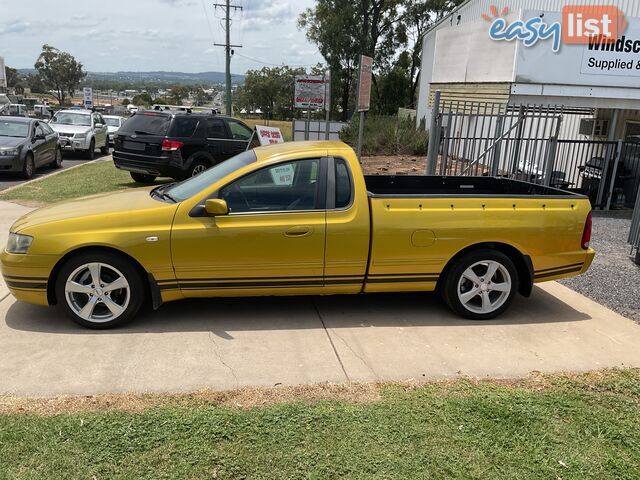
(80, 135)
(18, 243)
(8, 152)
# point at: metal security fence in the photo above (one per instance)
(634, 234)
(316, 130)
(523, 142)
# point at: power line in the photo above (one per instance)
(272, 64)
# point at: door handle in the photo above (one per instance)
(300, 231)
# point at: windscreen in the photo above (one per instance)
(14, 129)
(188, 188)
(146, 124)
(68, 118)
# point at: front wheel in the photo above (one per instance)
(481, 285)
(99, 290)
(28, 168)
(142, 178)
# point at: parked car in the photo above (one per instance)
(298, 219)
(114, 122)
(27, 144)
(176, 144)
(81, 131)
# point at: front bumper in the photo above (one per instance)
(27, 276)
(72, 144)
(10, 163)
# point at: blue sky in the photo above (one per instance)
(142, 35)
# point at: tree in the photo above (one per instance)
(177, 93)
(345, 29)
(125, 102)
(35, 84)
(59, 71)
(269, 89)
(13, 77)
(143, 99)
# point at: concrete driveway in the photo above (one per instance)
(229, 343)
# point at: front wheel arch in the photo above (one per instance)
(53, 277)
(522, 262)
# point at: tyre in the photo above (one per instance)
(28, 168)
(57, 161)
(105, 149)
(91, 153)
(481, 284)
(99, 290)
(142, 178)
(197, 167)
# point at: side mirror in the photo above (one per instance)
(99, 125)
(216, 206)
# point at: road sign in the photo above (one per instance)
(364, 83)
(88, 97)
(310, 91)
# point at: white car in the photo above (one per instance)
(114, 122)
(81, 130)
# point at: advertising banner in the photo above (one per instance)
(309, 91)
(364, 83)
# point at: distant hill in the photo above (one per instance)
(170, 78)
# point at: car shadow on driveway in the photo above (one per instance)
(224, 315)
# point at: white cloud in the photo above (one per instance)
(155, 34)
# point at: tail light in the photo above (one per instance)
(171, 145)
(586, 234)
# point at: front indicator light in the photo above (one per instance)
(18, 243)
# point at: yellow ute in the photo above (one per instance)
(297, 219)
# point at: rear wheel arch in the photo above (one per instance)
(522, 262)
(144, 275)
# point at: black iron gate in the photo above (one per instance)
(522, 142)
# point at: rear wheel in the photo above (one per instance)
(57, 160)
(197, 167)
(142, 178)
(481, 285)
(91, 153)
(29, 167)
(99, 290)
(105, 149)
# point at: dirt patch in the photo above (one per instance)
(248, 398)
(394, 165)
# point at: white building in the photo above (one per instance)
(461, 61)
(3, 74)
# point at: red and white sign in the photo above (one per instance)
(310, 91)
(269, 135)
(364, 83)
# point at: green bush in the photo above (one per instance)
(387, 136)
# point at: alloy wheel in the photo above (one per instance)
(484, 287)
(198, 169)
(97, 292)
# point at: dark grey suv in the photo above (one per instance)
(27, 144)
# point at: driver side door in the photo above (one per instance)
(271, 241)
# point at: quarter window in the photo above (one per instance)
(185, 127)
(343, 184)
(216, 128)
(239, 131)
(289, 187)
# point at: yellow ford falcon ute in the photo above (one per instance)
(297, 219)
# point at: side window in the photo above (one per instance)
(343, 183)
(40, 130)
(101, 119)
(239, 131)
(47, 129)
(216, 128)
(291, 186)
(185, 127)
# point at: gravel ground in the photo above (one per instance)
(613, 279)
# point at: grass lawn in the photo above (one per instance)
(548, 427)
(88, 179)
(284, 126)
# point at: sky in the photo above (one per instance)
(148, 35)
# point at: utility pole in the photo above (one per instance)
(228, 48)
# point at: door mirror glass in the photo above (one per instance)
(216, 206)
(99, 125)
